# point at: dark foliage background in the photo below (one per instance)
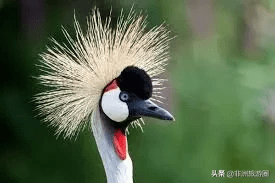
(221, 93)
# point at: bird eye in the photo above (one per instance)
(123, 96)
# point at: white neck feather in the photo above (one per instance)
(117, 170)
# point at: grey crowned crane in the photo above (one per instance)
(106, 78)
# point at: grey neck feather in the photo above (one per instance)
(117, 170)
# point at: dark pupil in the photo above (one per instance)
(124, 96)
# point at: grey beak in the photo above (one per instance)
(149, 109)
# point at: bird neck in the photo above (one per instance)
(117, 170)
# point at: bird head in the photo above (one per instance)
(76, 76)
(127, 98)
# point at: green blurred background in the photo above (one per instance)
(222, 93)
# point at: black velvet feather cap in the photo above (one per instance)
(135, 80)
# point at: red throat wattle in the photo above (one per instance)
(119, 139)
(120, 143)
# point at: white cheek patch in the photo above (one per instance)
(113, 107)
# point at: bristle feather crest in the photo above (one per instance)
(78, 71)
